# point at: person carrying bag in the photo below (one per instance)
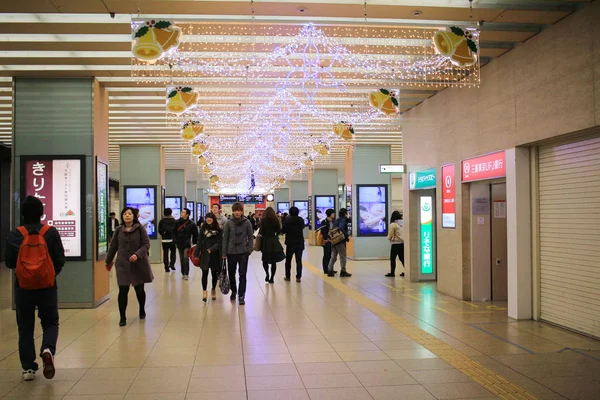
(268, 243)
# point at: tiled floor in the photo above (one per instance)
(296, 341)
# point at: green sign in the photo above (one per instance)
(101, 210)
(422, 179)
(426, 217)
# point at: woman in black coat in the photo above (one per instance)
(271, 248)
(208, 249)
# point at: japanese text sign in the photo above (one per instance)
(489, 166)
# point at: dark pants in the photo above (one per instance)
(326, 257)
(46, 301)
(289, 253)
(184, 259)
(169, 262)
(397, 250)
(273, 269)
(233, 260)
(140, 294)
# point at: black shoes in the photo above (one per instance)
(298, 279)
(173, 268)
(142, 314)
(345, 274)
(242, 300)
(271, 280)
(267, 278)
(390, 274)
(287, 279)
(331, 274)
(402, 274)
(232, 297)
(122, 322)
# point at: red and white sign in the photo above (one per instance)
(448, 197)
(57, 183)
(490, 166)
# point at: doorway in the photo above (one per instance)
(489, 272)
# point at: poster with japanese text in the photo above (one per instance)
(57, 183)
(101, 210)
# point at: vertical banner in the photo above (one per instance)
(426, 217)
(101, 210)
(57, 183)
(448, 197)
(310, 206)
(349, 207)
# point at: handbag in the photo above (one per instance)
(195, 260)
(336, 236)
(224, 284)
(257, 242)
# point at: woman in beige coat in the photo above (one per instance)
(396, 238)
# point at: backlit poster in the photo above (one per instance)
(322, 204)
(191, 206)
(57, 183)
(199, 210)
(174, 203)
(101, 210)
(144, 199)
(303, 210)
(448, 197)
(283, 207)
(372, 210)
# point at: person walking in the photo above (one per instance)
(221, 219)
(237, 247)
(293, 227)
(131, 246)
(186, 233)
(166, 229)
(113, 224)
(340, 249)
(272, 251)
(326, 226)
(396, 238)
(35, 287)
(208, 248)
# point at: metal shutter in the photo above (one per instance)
(569, 195)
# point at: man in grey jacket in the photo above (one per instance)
(221, 220)
(238, 240)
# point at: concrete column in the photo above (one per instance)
(518, 214)
(61, 118)
(175, 182)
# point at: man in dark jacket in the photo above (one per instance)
(186, 233)
(166, 229)
(293, 227)
(113, 224)
(238, 240)
(326, 226)
(340, 249)
(46, 300)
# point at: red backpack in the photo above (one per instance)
(35, 269)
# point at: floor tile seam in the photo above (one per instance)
(401, 321)
(205, 311)
(320, 331)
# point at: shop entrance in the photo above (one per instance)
(489, 272)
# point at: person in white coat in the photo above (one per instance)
(396, 238)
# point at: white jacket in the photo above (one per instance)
(396, 232)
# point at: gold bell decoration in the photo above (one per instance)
(199, 148)
(344, 130)
(385, 101)
(457, 45)
(206, 169)
(321, 148)
(181, 99)
(202, 160)
(154, 38)
(214, 179)
(191, 129)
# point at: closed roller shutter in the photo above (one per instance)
(569, 194)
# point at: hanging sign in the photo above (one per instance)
(391, 169)
(426, 214)
(422, 179)
(57, 183)
(448, 197)
(489, 166)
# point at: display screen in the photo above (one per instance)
(192, 207)
(144, 199)
(174, 203)
(204, 209)
(303, 210)
(372, 210)
(322, 204)
(101, 210)
(283, 207)
(58, 183)
(199, 210)
(251, 198)
(228, 198)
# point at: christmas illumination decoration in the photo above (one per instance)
(154, 38)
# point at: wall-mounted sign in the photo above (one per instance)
(391, 169)
(270, 197)
(101, 210)
(448, 197)
(175, 204)
(58, 182)
(427, 248)
(489, 166)
(191, 205)
(244, 198)
(422, 179)
(349, 207)
(144, 199)
(303, 208)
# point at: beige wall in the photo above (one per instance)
(543, 88)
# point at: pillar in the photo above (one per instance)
(518, 215)
(299, 192)
(144, 166)
(362, 168)
(65, 119)
(321, 182)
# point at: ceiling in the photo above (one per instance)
(75, 38)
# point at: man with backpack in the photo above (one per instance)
(36, 253)
(166, 229)
(186, 233)
(339, 236)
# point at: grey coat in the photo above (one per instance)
(124, 244)
(238, 236)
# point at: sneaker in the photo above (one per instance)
(29, 375)
(48, 361)
(298, 279)
(232, 297)
(185, 277)
(345, 274)
(242, 300)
